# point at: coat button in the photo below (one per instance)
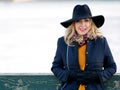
(86, 52)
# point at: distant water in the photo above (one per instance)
(29, 32)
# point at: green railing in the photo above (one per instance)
(42, 82)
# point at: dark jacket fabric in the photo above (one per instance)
(98, 58)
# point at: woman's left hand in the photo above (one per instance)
(89, 77)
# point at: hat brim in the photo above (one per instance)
(98, 21)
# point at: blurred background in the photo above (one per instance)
(29, 30)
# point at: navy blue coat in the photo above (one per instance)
(98, 58)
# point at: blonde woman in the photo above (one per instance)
(83, 59)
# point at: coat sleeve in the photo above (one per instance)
(57, 65)
(109, 63)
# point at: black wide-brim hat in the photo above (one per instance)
(82, 12)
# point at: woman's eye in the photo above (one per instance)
(86, 20)
(77, 20)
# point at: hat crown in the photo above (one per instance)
(81, 11)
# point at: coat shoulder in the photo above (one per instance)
(61, 40)
(102, 39)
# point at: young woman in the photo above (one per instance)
(83, 59)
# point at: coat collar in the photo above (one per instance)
(88, 42)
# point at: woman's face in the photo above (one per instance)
(83, 26)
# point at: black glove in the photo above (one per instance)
(83, 77)
(89, 77)
(75, 76)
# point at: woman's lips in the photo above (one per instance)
(82, 30)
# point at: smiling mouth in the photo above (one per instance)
(82, 30)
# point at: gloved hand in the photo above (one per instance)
(83, 77)
(89, 77)
(75, 76)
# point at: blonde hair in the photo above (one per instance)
(93, 33)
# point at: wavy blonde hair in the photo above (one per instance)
(93, 33)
